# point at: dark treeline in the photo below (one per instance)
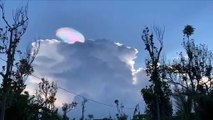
(187, 79)
(179, 90)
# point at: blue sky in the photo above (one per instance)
(121, 21)
(118, 21)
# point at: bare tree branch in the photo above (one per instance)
(3, 15)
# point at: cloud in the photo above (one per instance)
(101, 70)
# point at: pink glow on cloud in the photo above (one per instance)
(69, 35)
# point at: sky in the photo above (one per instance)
(109, 65)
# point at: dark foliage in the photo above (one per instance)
(191, 75)
(15, 103)
(157, 95)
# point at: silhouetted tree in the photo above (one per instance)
(192, 76)
(67, 108)
(45, 97)
(136, 110)
(83, 108)
(136, 114)
(15, 71)
(157, 95)
(120, 115)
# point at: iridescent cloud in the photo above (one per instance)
(69, 35)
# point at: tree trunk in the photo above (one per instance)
(158, 108)
(3, 105)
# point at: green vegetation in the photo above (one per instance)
(188, 79)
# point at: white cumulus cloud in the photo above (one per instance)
(101, 70)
